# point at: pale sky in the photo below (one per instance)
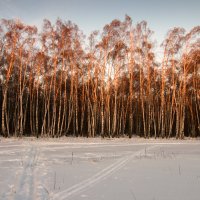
(90, 15)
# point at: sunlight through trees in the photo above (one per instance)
(57, 82)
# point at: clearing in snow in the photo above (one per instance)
(97, 169)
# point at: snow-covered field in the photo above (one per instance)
(97, 169)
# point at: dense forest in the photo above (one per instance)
(57, 82)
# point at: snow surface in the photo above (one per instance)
(99, 169)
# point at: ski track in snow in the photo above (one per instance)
(25, 188)
(103, 174)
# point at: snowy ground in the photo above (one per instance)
(96, 169)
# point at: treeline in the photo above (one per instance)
(57, 82)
